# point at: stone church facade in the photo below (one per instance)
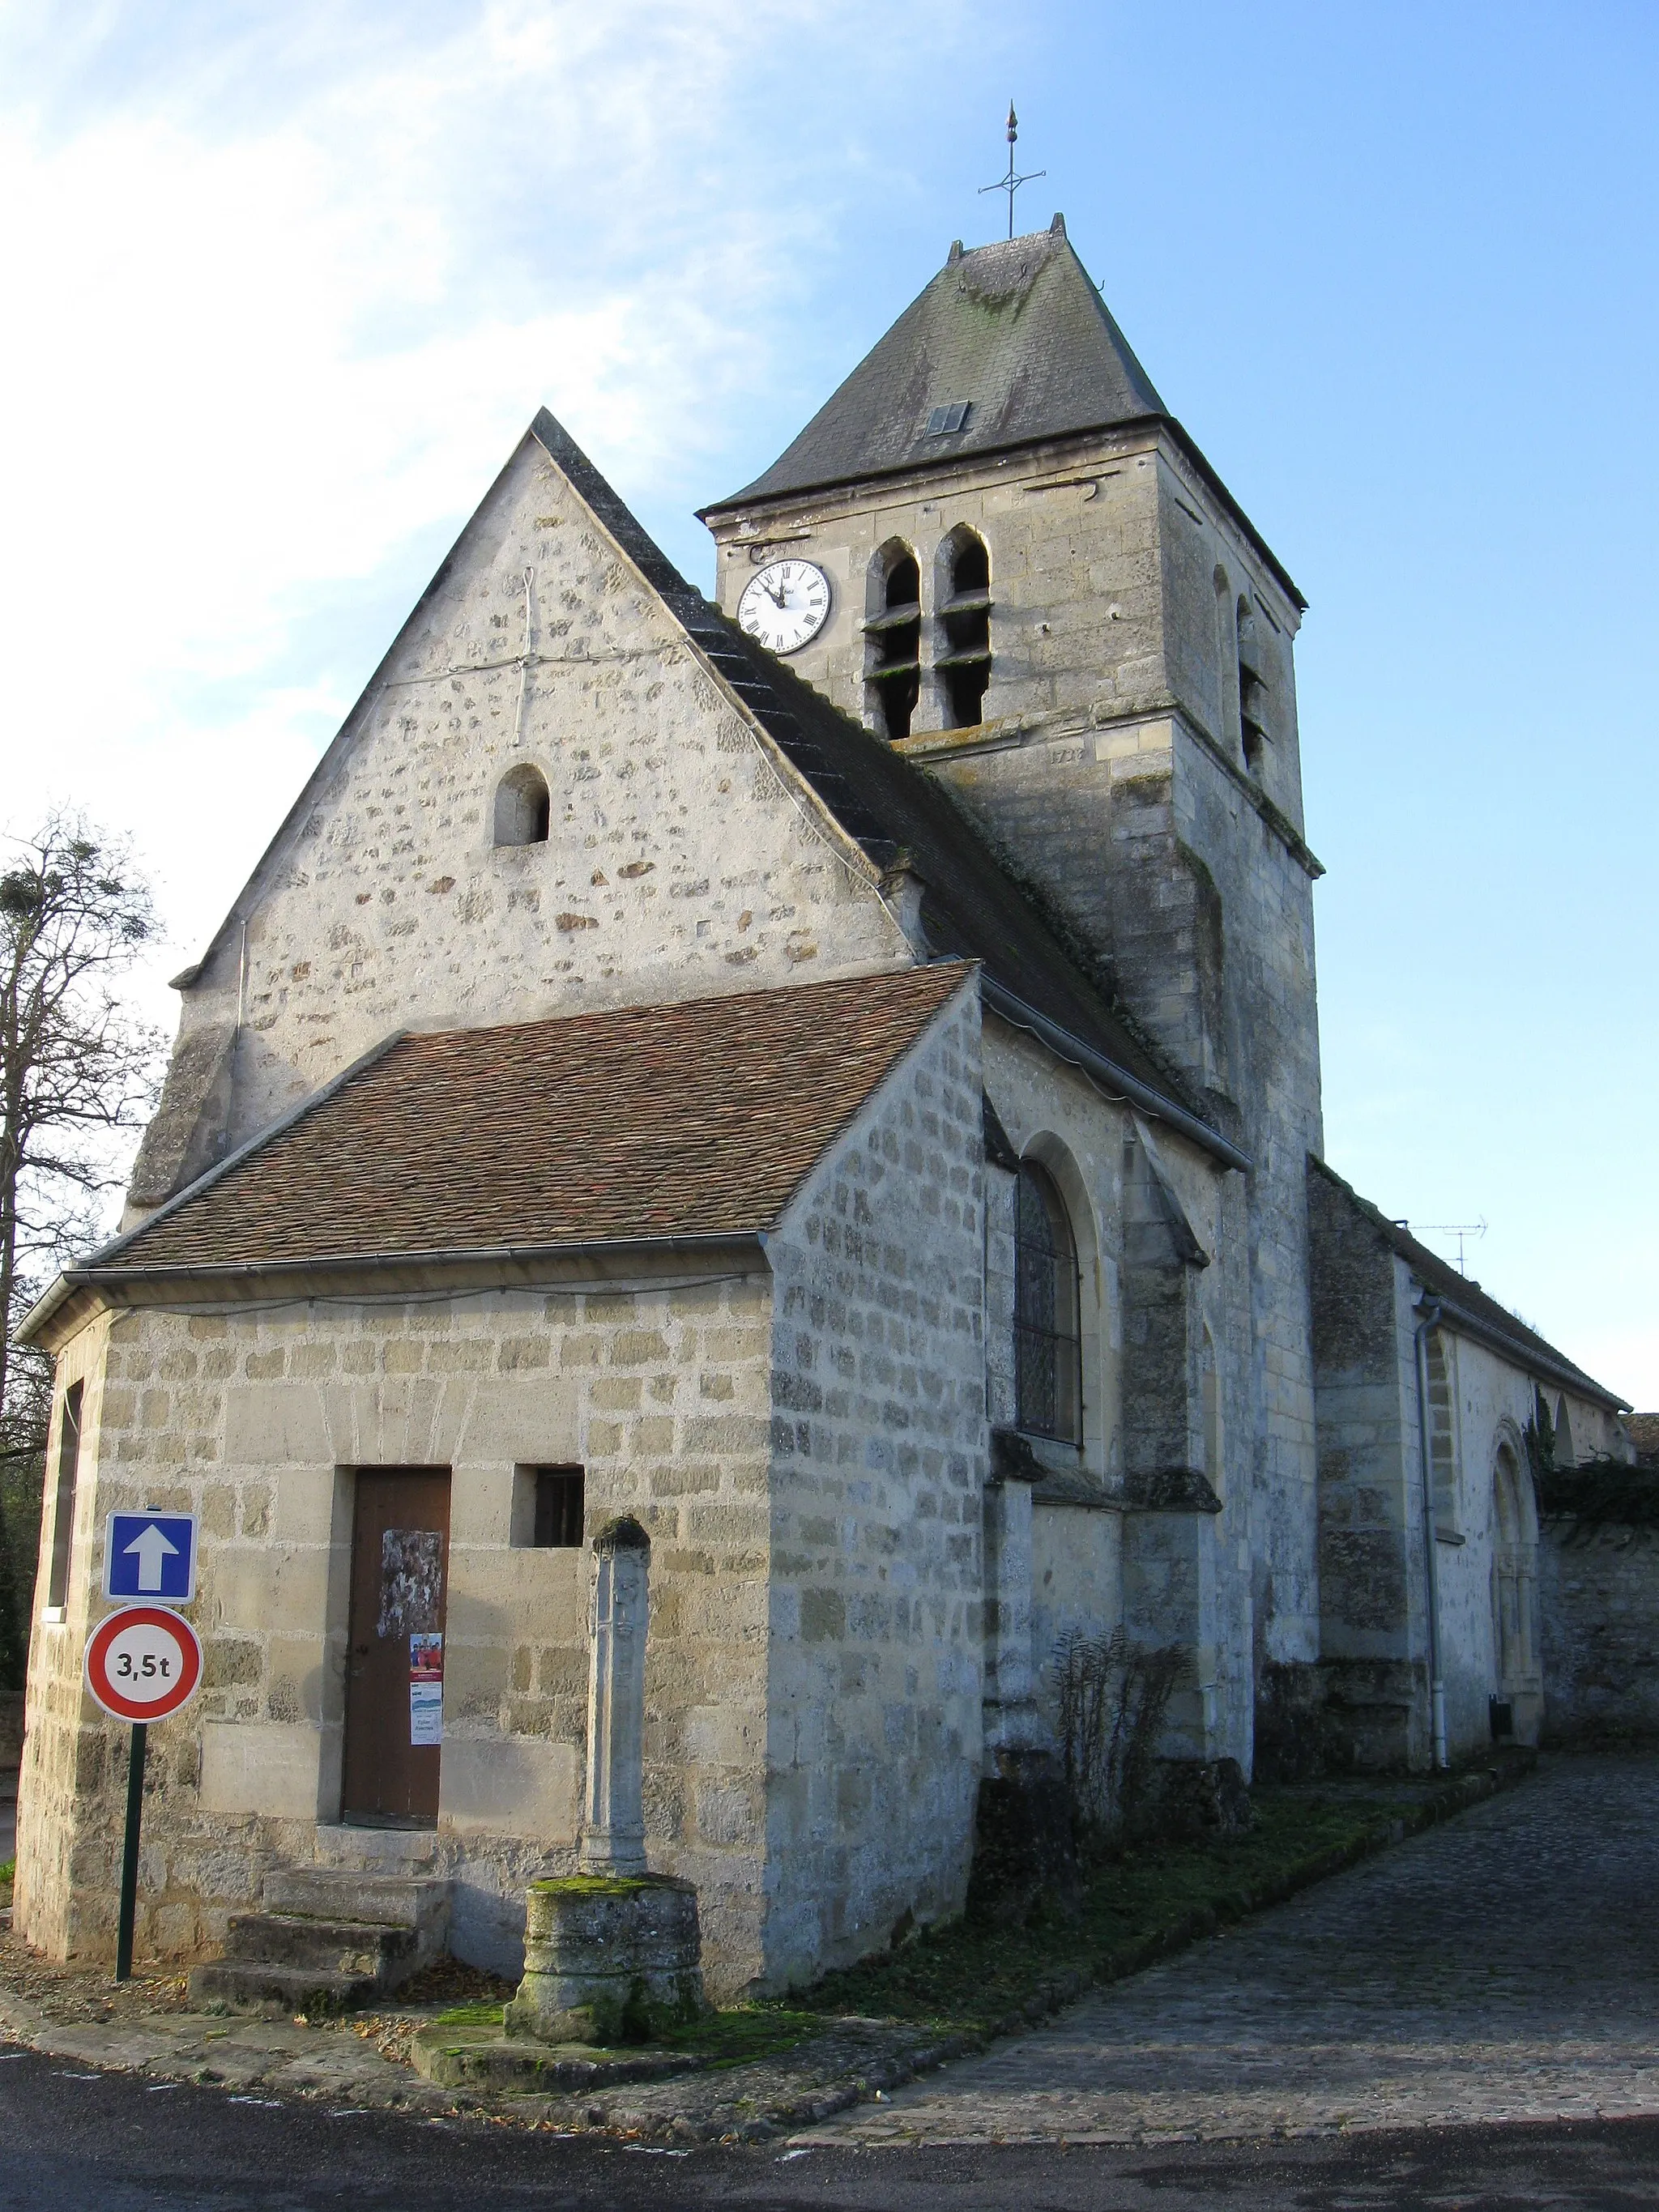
(855, 1114)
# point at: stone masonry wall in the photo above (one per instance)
(1109, 772)
(254, 1419)
(57, 1762)
(1598, 1590)
(1057, 1115)
(1270, 1070)
(1372, 1635)
(878, 1468)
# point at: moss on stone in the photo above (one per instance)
(469, 2016)
(592, 1884)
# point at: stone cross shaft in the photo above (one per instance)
(613, 1836)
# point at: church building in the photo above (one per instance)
(830, 1072)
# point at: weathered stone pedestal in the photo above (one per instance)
(608, 1960)
(612, 1954)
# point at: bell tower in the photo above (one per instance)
(1040, 591)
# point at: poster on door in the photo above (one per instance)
(426, 1689)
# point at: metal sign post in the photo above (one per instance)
(129, 1851)
(143, 1663)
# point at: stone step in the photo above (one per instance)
(456, 2057)
(375, 1851)
(247, 1985)
(355, 1947)
(386, 1900)
(329, 1935)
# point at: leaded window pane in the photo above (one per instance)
(1046, 1334)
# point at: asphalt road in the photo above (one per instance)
(71, 2141)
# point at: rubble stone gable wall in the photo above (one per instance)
(255, 1421)
(677, 864)
(878, 1465)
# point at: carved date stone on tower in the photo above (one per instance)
(612, 1954)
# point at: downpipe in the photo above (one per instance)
(1428, 1312)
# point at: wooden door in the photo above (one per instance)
(399, 1579)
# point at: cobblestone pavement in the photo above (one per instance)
(1502, 1967)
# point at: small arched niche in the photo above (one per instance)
(523, 807)
(963, 662)
(892, 630)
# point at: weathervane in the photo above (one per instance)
(1012, 183)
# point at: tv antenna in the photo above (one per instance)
(1012, 183)
(1464, 1231)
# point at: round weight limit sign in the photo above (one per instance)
(143, 1663)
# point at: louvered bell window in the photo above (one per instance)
(963, 663)
(894, 676)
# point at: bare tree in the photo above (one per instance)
(76, 1068)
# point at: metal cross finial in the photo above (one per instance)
(1012, 183)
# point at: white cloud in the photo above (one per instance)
(284, 299)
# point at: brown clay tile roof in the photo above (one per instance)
(696, 1119)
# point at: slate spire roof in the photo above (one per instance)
(1017, 331)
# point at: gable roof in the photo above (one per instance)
(893, 809)
(1017, 331)
(1469, 1307)
(632, 1125)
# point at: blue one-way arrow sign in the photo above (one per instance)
(150, 1555)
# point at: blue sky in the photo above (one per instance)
(284, 284)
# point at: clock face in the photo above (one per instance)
(785, 605)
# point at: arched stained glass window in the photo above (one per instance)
(1047, 1336)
